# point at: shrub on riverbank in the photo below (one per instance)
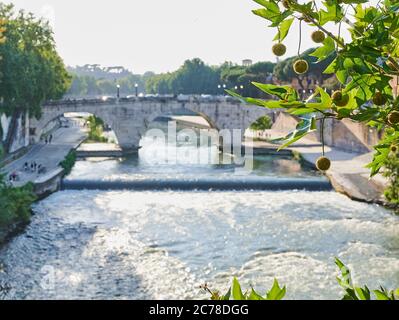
(392, 174)
(69, 161)
(96, 126)
(15, 204)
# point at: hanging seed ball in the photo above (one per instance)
(286, 4)
(340, 99)
(393, 117)
(323, 164)
(279, 49)
(301, 66)
(379, 99)
(318, 36)
(394, 148)
(337, 96)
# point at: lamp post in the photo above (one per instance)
(118, 91)
(219, 88)
(136, 87)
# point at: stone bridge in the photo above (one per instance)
(129, 118)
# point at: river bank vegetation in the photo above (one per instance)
(68, 163)
(15, 207)
(31, 72)
(350, 290)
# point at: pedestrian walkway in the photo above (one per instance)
(47, 155)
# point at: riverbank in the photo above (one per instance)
(348, 173)
(49, 156)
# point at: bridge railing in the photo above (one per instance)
(159, 98)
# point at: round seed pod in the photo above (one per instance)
(323, 164)
(301, 66)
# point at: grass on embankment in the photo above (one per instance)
(69, 161)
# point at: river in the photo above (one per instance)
(125, 244)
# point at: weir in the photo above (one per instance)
(214, 184)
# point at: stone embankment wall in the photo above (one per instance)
(21, 139)
(345, 135)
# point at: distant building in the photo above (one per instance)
(247, 62)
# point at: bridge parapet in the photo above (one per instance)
(158, 99)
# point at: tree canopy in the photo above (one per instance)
(365, 66)
(31, 69)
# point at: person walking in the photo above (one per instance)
(50, 139)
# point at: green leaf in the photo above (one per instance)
(276, 293)
(227, 296)
(332, 67)
(363, 294)
(381, 295)
(325, 50)
(255, 296)
(236, 290)
(350, 294)
(286, 93)
(346, 280)
(284, 29)
(271, 104)
(333, 14)
(382, 151)
(303, 128)
(325, 100)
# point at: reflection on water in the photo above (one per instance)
(164, 244)
(158, 160)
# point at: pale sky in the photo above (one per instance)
(159, 35)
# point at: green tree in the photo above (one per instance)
(241, 77)
(263, 123)
(194, 77)
(78, 86)
(32, 71)
(364, 65)
(264, 68)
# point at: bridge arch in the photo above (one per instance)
(53, 112)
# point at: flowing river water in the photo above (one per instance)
(163, 244)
